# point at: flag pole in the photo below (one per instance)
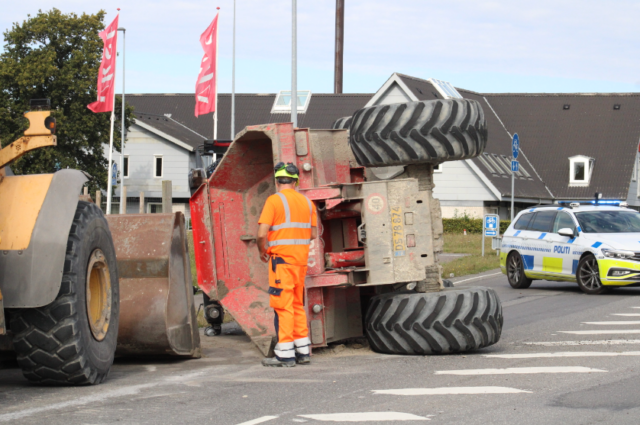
(113, 120)
(122, 130)
(215, 112)
(233, 77)
(294, 65)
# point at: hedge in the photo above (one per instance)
(472, 225)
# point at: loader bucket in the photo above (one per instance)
(157, 314)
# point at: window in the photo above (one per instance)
(543, 221)
(580, 169)
(498, 166)
(609, 221)
(523, 222)
(437, 168)
(125, 166)
(563, 221)
(282, 104)
(157, 166)
(154, 208)
(445, 89)
(484, 161)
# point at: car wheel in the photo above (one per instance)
(588, 276)
(515, 272)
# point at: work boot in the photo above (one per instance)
(274, 362)
(303, 359)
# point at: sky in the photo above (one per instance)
(486, 46)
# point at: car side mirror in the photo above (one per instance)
(566, 232)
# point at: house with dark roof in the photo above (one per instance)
(572, 145)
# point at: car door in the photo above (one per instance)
(521, 237)
(539, 230)
(562, 250)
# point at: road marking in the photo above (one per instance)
(627, 314)
(563, 354)
(604, 332)
(101, 395)
(259, 420)
(520, 370)
(451, 390)
(477, 277)
(366, 417)
(96, 398)
(614, 322)
(585, 342)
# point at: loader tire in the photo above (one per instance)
(429, 131)
(449, 321)
(341, 123)
(72, 341)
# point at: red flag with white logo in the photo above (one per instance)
(107, 72)
(206, 84)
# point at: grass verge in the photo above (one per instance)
(475, 262)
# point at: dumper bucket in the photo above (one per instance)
(157, 314)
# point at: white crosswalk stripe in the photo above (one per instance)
(614, 322)
(563, 354)
(627, 314)
(603, 332)
(366, 417)
(520, 370)
(585, 342)
(451, 391)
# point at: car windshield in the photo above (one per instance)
(609, 221)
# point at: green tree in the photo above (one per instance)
(57, 56)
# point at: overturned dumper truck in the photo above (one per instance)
(373, 269)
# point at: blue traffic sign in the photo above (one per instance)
(490, 233)
(515, 145)
(515, 166)
(490, 222)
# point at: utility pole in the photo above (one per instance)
(294, 65)
(233, 77)
(339, 59)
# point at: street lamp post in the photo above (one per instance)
(122, 131)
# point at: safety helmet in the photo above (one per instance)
(286, 170)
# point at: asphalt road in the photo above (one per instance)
(547, 373)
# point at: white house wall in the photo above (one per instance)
(394, 94)
(460, 190)
(141, 147)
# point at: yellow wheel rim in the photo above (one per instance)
(98, 294)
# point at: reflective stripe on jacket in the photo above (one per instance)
(291, 232)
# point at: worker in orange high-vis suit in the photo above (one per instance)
(287, 225)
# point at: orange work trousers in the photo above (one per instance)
(286, 290)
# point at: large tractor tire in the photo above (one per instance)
(341, 123)
(72, 341)
(429, 131)
(450, 321)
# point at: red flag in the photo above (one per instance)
(107, 72)
(206, 84)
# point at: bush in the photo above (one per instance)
(472, 225)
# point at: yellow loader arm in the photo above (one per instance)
(39, 134)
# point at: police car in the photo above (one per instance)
(596, 245)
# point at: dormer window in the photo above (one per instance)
(282, 103)
(580, 169)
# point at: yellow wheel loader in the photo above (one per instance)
(60, 290)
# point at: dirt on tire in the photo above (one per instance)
(430, 131)
(449, 321)
(55, 344)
